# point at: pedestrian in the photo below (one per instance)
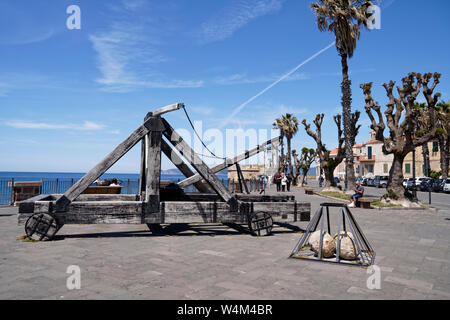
(277, 180)
(283, 182)
(320, 181)
(288, 182)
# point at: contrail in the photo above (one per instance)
(238, 109)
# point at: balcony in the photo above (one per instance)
(366, 159)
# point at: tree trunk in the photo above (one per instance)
(329, 177)
(426, 159)
(305, 172)
(281, 162)
(346, 111)
(289, 158)
(395, 182)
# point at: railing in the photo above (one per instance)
(59, 186)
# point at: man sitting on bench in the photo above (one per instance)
(359, 191)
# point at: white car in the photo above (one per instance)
(419, 180)
(447, 185)
(405, 182)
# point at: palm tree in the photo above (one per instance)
(424, 120)
(344, 18)
(278, 124)
(290, 128)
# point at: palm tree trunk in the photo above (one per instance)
(346, 111)
(426, 159)
(281, 160)
(444, 143)
(289, 159)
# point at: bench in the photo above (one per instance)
(363, 203)
(309, 191)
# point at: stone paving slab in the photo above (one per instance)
(216, 262)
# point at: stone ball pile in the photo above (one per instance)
(348, 250)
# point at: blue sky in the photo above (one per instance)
(68, 97)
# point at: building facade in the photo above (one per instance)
(370, 161)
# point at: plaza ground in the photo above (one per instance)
(217, 262)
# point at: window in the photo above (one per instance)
(435, 146)
(370, 168)
(385, 168)
(407, 167)
(369, 153)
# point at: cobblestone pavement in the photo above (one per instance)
(216, 262)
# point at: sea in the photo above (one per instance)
(59, 182)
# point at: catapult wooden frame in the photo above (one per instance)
(153, 205)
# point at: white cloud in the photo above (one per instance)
(234, 17)
(127, 52)
(86, 126)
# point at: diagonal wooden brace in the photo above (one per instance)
(204, 171)
(229, 163)
(182, 166)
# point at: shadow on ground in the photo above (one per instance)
(182, 230)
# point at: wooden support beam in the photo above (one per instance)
(228, 163)
(153, 164)
(182, 166)
(177, 141)
(142, 177)
(101, 167)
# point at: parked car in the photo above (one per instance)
(446, 187)
(364, 181)
(410, 183)
(370, 182)
(419, 180)
(437, 185)
(381, 181)
(405, 183)
(425, 185)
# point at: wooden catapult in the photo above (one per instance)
(45, 214)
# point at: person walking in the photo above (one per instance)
(288, 182)
(320, 181)
(283, 182)
(277, 181)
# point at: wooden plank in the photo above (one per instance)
(92, 212)
(228, 163)
(153, 165)
(166, 109)
(177, 141)
(196, 212)
(182, 166)
(101, 168)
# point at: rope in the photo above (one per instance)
(198, 136)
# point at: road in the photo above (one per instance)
(439, 200)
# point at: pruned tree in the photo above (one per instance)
(327, 163)
(443, 123)
(308, 156)
(406, 131)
